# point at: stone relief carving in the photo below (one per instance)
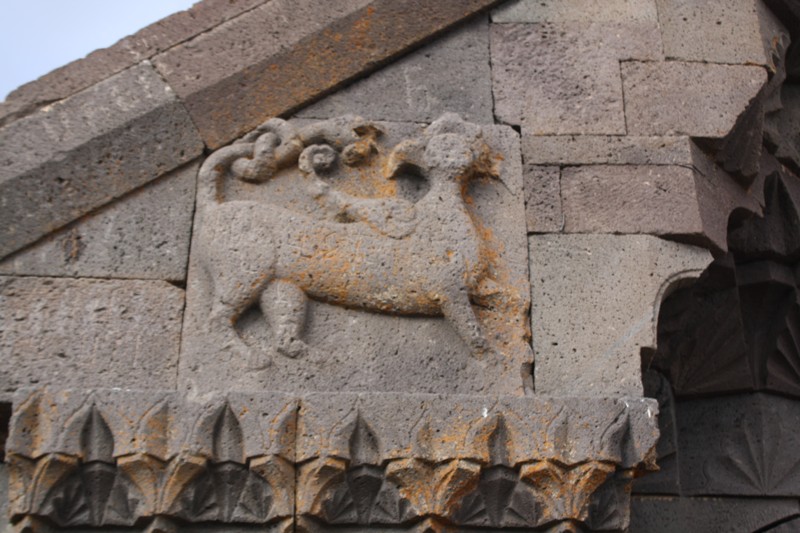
(271, 462)
(333, 213)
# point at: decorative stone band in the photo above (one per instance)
(271, 461)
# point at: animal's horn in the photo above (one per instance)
(409, 154)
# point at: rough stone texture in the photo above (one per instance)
(745, 445)
(695, 99)
(666, 480)
(438, 428)
(595, 305)
(691, 202)
(658, 200)
(228, 77)
(786, 527)
(80, 153)
(543, 212)
(576, 68)
(144, 235)
(130, 456)
(654, 514)
(89, 333)
(4, 524)
(105, 62)
(723, 31)
(451, 74)
(379, 347)
(576, 11)
(604, 150)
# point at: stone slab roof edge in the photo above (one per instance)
(66, 152)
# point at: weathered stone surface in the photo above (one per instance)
(658, 514)
(739, 445)
(786, 527)
(666, 480)
(653, 199)
(373, 333)
(723, 31)
(576, 11)
(543, 212)
(678, 98)
(451, 74)
(4, 524)
(144, 235)
(576, 68)
(604, 150)
(691, 202)
(438, 428)
(595, 304)
(79, 154)
(88, 333)
(128, 456)
(105, 62)
(228, 77)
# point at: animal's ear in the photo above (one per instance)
(406, 156)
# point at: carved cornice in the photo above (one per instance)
(123, 458)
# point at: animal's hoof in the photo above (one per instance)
(294, 348)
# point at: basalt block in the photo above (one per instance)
(80, 153)
(88, 332)
(595, 305)
(349, 255)
(144, 235)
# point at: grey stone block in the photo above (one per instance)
(5, 526)
(722, 31)
(543, 211)
(575, 68)
(144, 235)
(350, 349)
(659, 514)
(743, 445)
(451, 74)
(679, 98)
(82, 152)
(595, 301)
(576, 11)
(88, 333)
(653, 199)
(604, 150)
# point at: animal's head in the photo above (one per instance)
(448, 150)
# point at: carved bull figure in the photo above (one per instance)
(379, 254)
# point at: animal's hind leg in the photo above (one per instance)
(457, 309)
(284, 306)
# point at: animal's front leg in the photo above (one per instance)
(284, 306)
(458, 311)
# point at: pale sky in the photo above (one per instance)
(41, 35)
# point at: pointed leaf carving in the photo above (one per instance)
(364, 445)
(228, 440)
(96, 440)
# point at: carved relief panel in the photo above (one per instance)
(347, 255)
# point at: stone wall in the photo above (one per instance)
(617, 149)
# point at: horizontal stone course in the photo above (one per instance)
(88, 333)
(681, 98)
(604, 149)
(83, 152)
(657, 200)
(143, 235)
(543, 210)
